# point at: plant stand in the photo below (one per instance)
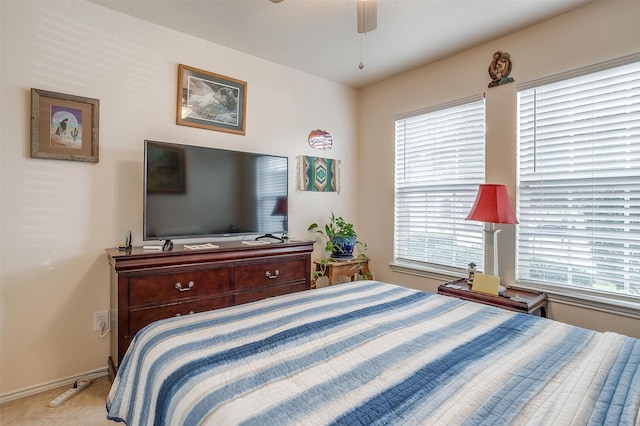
(334, 270)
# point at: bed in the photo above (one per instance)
(374, 353)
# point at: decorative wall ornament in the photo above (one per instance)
(318, 174)
(64, 127)
(320, 139)
(211, 101)
(500, 68)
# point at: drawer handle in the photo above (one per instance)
(179, 286)
(272, 277)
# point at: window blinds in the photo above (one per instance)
(271, 179)
(438, 167)
(579, 182)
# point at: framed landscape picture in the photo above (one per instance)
(211, 101)
(64, 127)
(165, 170)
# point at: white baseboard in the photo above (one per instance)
(32, 390)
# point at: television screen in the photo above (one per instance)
(192, 191)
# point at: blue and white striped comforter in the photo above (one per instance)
(374, 353)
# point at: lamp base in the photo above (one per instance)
(491, 252)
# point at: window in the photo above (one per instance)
(439, 165)
(271, 188)
(579, 181)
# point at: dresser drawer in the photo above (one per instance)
(160, 288)
(252, 296)
(268, 273)
(143, 283)
(141, 317)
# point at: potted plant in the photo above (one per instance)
(339, 242)
(340, 237)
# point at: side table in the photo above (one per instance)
(528, 302)
(334, 269)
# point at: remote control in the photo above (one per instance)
(80, 385)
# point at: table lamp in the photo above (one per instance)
(280, 208)
(492, 206)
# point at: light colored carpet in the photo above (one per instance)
(85, 408)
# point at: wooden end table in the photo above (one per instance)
(528, 302)
(334, 269)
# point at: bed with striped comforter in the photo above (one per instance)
(374, 353)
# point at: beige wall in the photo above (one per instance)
(57, 217)
(598, 32)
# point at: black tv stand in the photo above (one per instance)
(269, 236)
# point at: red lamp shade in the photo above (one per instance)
(492, 205)
(280, 209)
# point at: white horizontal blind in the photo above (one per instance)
(271, 178)
(579, 182)
(439, 165)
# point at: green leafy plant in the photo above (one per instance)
(336, 228)
(334, 232)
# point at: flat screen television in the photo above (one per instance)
(194, 192)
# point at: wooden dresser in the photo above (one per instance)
(150, 285)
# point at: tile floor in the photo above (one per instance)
(85, 408)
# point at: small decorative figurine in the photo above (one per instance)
(471, 268)
(500, 68)
(126, 243)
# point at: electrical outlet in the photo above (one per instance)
(101, 317)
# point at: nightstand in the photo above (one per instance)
(527, 302)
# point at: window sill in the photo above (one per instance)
(587, 299)
(431, 272)
(627, 306)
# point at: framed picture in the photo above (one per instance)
(64, 127)
(165, 169)
(211, 101)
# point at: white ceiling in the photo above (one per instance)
(319, 36)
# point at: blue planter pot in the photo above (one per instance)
(343, 247)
